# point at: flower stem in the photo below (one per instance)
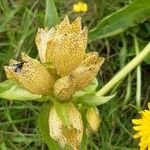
(138, 76)
(124, 72)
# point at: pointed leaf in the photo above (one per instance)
(62, 113)
(12, 91)
(121, 20)
(94, 100)
(51, 15)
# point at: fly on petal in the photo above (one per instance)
(31, 75)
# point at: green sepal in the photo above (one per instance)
(10, 90)
(93, 99)
(61, 109)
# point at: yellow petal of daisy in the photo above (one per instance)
(137, 128)
(64, 88)
(67, 51)
(63, 134)
(137, 135)
(31, 75)
(84, 8)
(87, 71)
(143, 130)
(137, 121)
(93, 119)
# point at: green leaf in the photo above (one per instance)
(12, 91)
(121, 20)
(62, 113)
(94, 100)
(44, 127)
(88, 90)
(51, 15)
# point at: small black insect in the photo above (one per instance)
(18, 66)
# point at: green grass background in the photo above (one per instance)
(19, 21)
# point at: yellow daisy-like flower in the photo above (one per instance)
(142, 126)
(80, 7)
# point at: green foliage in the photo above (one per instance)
(121, 20)
(10, 90)
(51, 16)
(94, 100)
(62, 113)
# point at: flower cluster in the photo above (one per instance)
(80, 7)
(64, 69)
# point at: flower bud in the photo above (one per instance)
(93, 119)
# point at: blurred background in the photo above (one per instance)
(19, 22)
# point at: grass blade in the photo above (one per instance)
(121, 20)
(51, 15)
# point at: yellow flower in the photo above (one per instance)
(80, 7)
(31, 75)
(67, 67)
(71, 135)
(64, 48)
(93, 119)
(142, 126)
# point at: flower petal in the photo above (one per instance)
(87, 71)
(137, 135)
(64, 26)
(41, 40)
(137, 121)
(31, 75)
(76, 25)
(137, 128)
(67, 48)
